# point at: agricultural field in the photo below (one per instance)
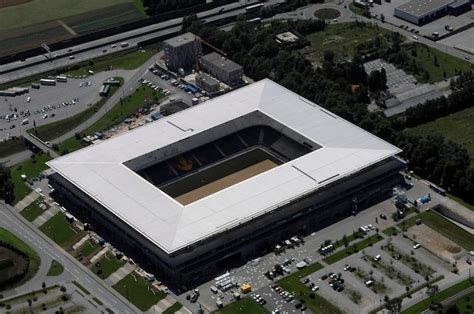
(457, 127)
(26, 25)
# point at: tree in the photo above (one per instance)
(394, 306)
(7, 188)
(431, 292)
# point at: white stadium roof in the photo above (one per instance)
(99, 170)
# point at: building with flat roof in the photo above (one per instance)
(207, 83)
(217, 184)
(225, 70)
(181, 51)
(421, 12)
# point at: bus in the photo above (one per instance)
(254, 7)
(47, 82)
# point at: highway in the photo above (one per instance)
(47, 250)
(90, 50)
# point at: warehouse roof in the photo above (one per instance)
(100, 172)
(222, 62)
(421, 7)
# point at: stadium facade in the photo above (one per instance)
(283, 166)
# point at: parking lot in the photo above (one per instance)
(165, 84)
(253, 272)
(51, 103)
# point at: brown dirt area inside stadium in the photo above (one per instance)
(436, 243)
(12, 262)
(8, 3)
(225, 182)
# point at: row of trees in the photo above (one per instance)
(440, 107)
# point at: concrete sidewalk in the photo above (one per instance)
(45, 216)
(121, 273)
(25, 202)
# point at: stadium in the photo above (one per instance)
(213, 186)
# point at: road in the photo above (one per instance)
(48, 250)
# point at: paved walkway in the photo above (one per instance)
(161, 306)
(45, 216)
(81, 242)
(99, 255)
(183, 310)
(30, 198)
(120, 274)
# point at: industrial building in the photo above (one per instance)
(215, 185)
(225, 70)
(207, 83)
(421, 12)
(181, 52)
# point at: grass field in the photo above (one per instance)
(127, 60)
(40, 11)
(86, 251)
(354, 248)
(457, 127)
(355, 9)
(54, 130)
(465, 304)
(32, 211)
(30, 169)
(142, 96)
(172, 309)
(35, 261)
(293, 285)
(244, 306)
(55, 269)
(136, 291)
(106, 266)
(448, 229)
(441, 296)
(61, 231)
(343, 38)
(425, 57)
(327, 14)
(11, 147)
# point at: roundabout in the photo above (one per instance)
(327, 13)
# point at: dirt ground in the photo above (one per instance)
(225, 182)
(436, 243)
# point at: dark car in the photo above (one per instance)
(383, 216)
(298, 305)
(397, 257)
(324, 277)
